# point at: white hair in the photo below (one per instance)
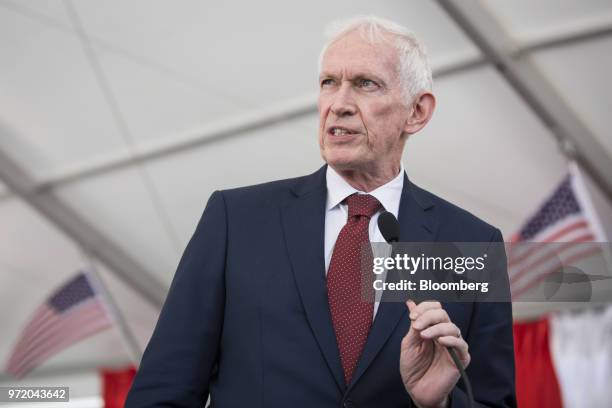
(414, 71)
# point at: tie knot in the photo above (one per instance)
(362, 204)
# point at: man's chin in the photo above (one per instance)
(343, 158)
(343, 163)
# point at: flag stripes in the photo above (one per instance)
(558, 234)
(72, 313)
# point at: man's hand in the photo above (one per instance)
(426, 367)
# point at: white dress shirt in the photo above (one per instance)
(336, 213)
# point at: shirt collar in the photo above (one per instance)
(388, 194)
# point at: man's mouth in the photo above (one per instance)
(340, 131)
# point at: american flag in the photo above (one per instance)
(558, 234)
(72, 313)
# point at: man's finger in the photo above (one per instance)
(441, 330)
(429, 318)
(411, 338)
(423, 307)
(411, 306)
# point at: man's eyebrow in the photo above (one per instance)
(326, 75)
(369, 75)
(356, 76)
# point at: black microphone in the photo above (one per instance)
(389, 228)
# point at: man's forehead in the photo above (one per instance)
(355, 53)
(354, 64)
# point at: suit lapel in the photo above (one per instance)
(416, 225)
(304, 227)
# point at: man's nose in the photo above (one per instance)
(343, 103)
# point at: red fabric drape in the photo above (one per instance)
(536, 381)
(115, 386)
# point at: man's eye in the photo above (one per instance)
(367, 83)
(327, 82)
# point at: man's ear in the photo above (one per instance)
(421, 111)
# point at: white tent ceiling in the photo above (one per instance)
(205, 96)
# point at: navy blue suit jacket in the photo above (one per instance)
(247, 317)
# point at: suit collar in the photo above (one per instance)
(416, 219)
(420, 196)
(312, 183)
(303, 219)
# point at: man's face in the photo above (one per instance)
(362, 111)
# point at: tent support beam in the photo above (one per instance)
(577, 141)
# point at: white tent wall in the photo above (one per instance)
(578, 72)
(478, 151)
(209, 79)
(530, 22)
(603, 207)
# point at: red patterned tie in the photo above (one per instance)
(351, 314)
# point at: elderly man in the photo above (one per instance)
(265, 308)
